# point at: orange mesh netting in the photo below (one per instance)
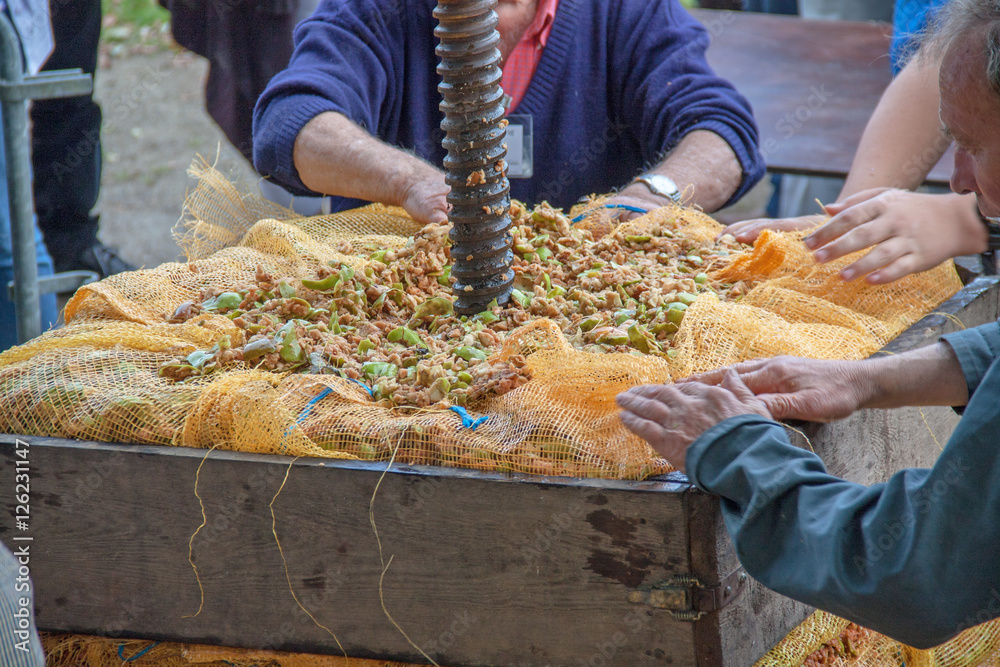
(824, 639)
(334, 336)
(88, 651)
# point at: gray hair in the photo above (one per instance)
(955, 21)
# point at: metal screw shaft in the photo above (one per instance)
(475, 166)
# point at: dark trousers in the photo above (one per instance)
(66, 137)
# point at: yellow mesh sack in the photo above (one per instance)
(811, 642)
(551, 409)
(88, 651)
(797, 307)
(719, 334)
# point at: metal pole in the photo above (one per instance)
(17, 149)
(475, 166)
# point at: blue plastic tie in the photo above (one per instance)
(309, 406)
(312, 403)
(121, 652)
(633, 209)
(363, 386)
(467, 420)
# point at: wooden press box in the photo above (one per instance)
(482, 569)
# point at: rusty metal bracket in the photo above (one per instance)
(686, 598)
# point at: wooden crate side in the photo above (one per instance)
(484, 569)
(976, 303)
(750, 625)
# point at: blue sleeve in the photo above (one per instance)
(910, 19)
(343, 61)
(666, 88)
(976, 349)
(916, 558)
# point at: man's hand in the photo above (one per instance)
(671, 417)
(796, 388)
(334, 156)
(907, 231)
(747, 231)
(426, 200)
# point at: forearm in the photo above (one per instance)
(903, 139)
(927, 376)
(334, 156)
(705, 169)
(882, 556)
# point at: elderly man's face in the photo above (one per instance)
(970, 113)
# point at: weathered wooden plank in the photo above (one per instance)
(494, 570)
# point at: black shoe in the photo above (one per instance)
(99, 258)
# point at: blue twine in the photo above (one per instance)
(309, 406)
(633, 209)
(467, 419)
(312, 403)
(363, 386)
(121, 652)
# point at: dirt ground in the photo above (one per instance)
(155, 125)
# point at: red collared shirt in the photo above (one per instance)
(523, 60)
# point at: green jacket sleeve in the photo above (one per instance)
(916, 558)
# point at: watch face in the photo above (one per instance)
(663, 185)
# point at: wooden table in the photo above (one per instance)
(813, 85)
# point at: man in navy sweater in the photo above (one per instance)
(618, 88)
(918, 557)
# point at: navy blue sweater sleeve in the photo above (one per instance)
(668, 90)
(916, 558)
(344, 62)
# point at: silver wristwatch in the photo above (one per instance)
(661, 185)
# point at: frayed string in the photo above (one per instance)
(204, 520)
(381, 557)
(288, 577)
